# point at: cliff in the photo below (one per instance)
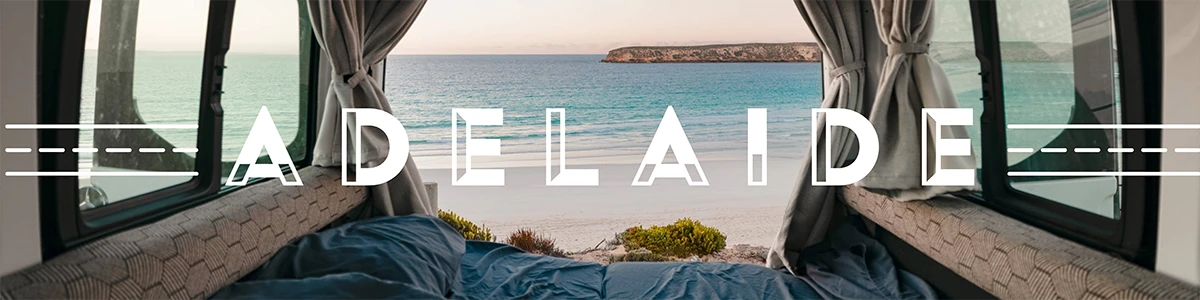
(755, 52)
(808, 52)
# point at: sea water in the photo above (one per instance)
(610, 108)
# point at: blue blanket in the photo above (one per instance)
(421, 257)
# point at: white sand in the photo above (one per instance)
(580, 217)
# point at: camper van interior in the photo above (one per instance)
(130, 173)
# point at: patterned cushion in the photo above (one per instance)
(194, 253)
(1008, 258)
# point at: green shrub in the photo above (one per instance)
(638, 256)
(468, 229)
(532, 242)
(684, 238)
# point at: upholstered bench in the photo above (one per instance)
(194, 253)
(1008, 258)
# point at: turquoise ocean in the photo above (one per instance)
(608, 106)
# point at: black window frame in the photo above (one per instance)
(61, 32)
(1133, 234)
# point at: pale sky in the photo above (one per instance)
(559, 26)
(488, 27)
(596, 26)
(259, 26)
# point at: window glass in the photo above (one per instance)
(266, 66)
(1059, 72)
(142, 70)
(953, 46)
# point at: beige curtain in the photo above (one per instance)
(909, 81)
(837, 26)
(356, 35)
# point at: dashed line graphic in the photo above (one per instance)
(101, 126)
(52, 150)
(1096, 150)
(98, 174)
(90, 173)
(1085, 174)
(1109, 150)
(1103, 126)
(95, 150)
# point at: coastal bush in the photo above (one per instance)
(467, 228)
(638, 256)
(532, 242)
(617, 240)
(684, 238)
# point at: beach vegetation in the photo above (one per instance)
(533, 242)
(684, 238)
(617, 240)
(638, 256)
(468, 229)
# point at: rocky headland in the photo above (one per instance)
(753, 52)
(809, 52)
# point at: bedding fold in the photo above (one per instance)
(421, 257)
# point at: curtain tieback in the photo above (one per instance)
(358, 77)
(850, 67)
(908, 48)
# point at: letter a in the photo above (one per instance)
(670, 136)
(263, 134)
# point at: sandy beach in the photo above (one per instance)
(578, 218)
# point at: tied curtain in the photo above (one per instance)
(356, 35)
(908, 80)
(837, 27)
